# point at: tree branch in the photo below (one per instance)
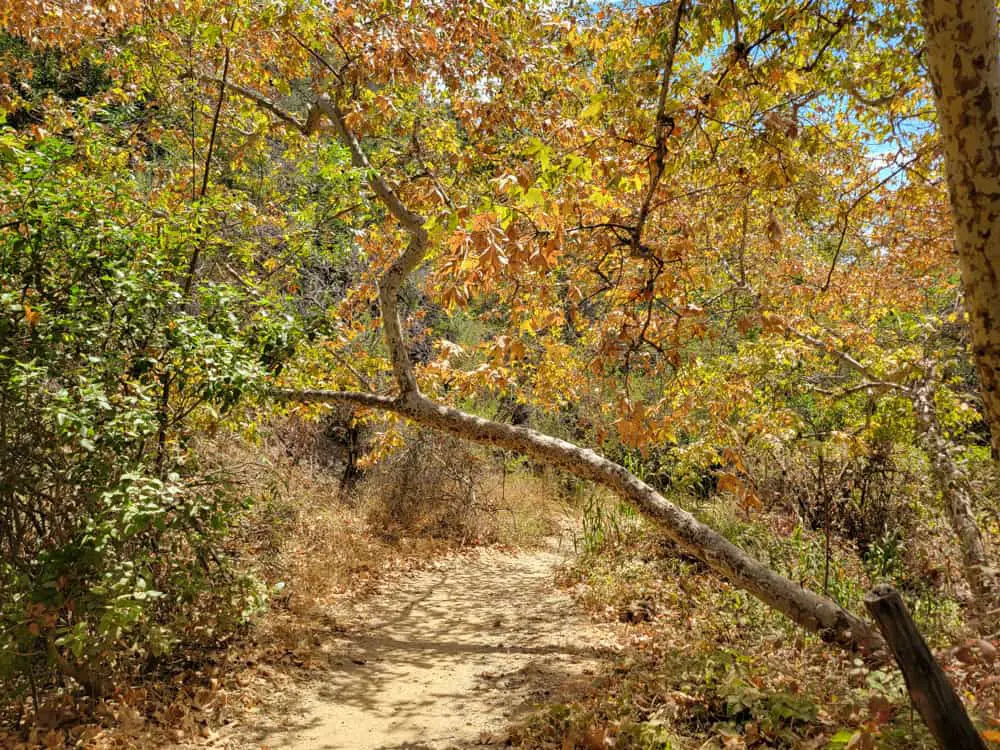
(843, 356)
(260, 100)
(314, 396)
(879, 386)
(882, 101)
(392, 280)
(660, 129)
(813, 612)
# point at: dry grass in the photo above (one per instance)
(528, 509)
(708, 666)
(438, 487)
(313, 547)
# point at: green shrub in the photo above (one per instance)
(108, 537)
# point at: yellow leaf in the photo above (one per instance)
(592, 110)
(793, 80)
(534, 197)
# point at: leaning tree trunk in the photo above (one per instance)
(951, 481)
(963, 55)
(813, 612)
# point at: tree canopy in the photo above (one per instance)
(712, 241)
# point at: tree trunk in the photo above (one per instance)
(963, 55)
(928, 685)
(950, 480)
(815, 613)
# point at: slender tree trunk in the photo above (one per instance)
(963, 55)
(948, 475)
(951, 481)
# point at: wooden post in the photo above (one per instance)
(932, 694)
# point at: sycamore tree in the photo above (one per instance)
(963, 59)
(622, 193)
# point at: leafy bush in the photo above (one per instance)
(108, 537)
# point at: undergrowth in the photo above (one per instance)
(310, 544)
(708, 666)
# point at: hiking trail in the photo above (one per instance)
(440, 659)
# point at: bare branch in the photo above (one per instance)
(365, 382)
(314, 396)
(840, 355)
(880, 386)
(662, 129)
(317, 56)
(881, 101)
(813, 612)
(412, 222)
(260, 100)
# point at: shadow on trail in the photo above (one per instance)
(441, 658)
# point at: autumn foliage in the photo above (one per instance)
(711, 241)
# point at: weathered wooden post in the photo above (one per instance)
(929, 688)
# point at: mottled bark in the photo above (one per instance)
(963, 55)
(392, 280)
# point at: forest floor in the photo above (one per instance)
(503, 636)
(443, 658)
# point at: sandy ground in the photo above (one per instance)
(445, 658)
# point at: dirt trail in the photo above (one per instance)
(442, 659)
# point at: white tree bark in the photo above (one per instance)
(963, 55)
(956, 496)
(813, 612)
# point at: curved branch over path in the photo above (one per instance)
(815, 613)
(811, 611)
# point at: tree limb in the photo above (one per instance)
(392, 280)
(660, 128)
(813, 612)
(260, 100)
(843, 356)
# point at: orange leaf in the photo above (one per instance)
(31, 315)
(731, 483)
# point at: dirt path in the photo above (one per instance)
(442, 659)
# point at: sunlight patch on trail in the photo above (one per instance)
(443, 659)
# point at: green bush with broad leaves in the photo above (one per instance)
(109, 359)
